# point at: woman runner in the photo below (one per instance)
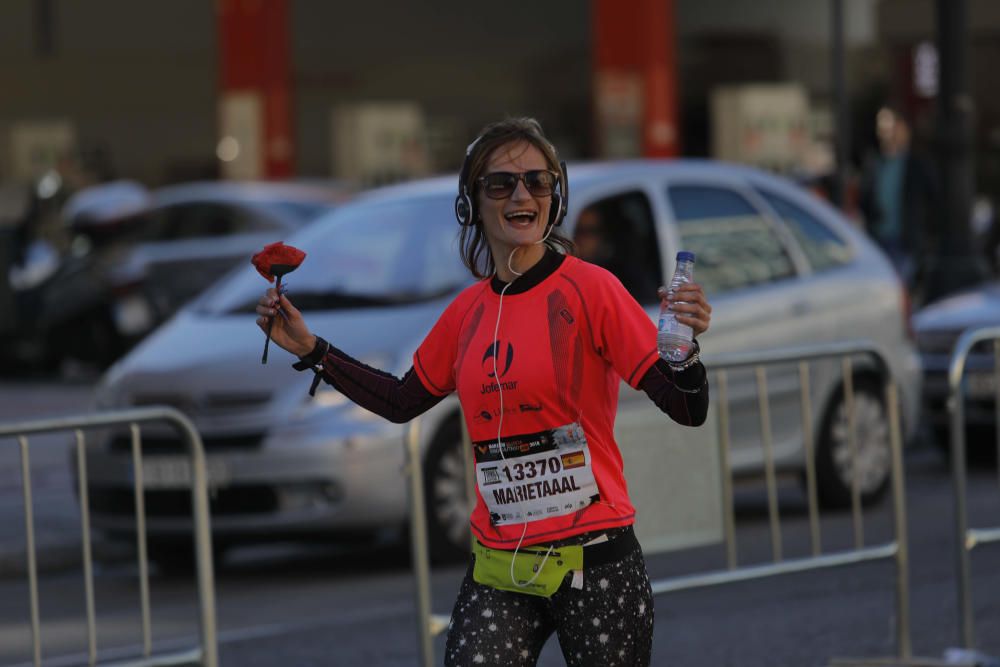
(554, 547)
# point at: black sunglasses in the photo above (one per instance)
(501, 184)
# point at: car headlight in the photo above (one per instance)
(133, 314)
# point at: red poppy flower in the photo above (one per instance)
(277, 259)
(274, 261)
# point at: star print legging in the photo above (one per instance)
(608, 624)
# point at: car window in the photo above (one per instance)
(735, 246)
(363, 254)
(299, 211)
(186, 221)
(618, 233)
(823, 248)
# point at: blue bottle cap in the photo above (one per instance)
(685, 256)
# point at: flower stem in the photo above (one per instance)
(270, 323)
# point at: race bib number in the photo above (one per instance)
(535, 476)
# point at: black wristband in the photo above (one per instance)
(314, 357)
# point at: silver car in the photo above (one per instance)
(136, 256)
(780, 267)
(191, 234)
(938, 326)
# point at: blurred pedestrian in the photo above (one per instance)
(554, 548)
(900, 198)
(609, 241)
(590, 238)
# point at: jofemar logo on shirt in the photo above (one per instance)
(497, 360)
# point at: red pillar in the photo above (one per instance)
(635, 78)
(255, 89)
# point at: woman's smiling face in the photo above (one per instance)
(520, 219)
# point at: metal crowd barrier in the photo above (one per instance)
(429, 625)
(207, 654)
(968, 538)
(896, 549)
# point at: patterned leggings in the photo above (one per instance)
(608, 624)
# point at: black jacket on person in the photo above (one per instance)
(920, 208)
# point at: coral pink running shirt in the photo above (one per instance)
(555, 363)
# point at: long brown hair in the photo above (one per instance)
(475, 250)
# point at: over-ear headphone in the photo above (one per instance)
(465, 206)
(560, 199)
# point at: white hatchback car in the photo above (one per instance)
(780, 267)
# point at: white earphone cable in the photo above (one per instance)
(496, 378)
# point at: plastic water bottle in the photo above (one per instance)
(673, 339)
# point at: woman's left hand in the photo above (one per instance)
(690, 306)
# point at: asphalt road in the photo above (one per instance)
(294, 606)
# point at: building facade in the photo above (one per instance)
(137, 88)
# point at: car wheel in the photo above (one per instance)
(448, 507)
(835, 469)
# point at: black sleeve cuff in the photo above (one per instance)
(692, 377)
(314, 357)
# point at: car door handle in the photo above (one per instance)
(801, 308)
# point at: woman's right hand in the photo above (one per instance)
(289, 332)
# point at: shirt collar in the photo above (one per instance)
(542, 269)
